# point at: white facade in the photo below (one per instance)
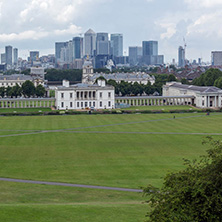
(204, 96)
(82, 96)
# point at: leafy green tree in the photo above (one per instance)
(184, 81)
(101, 78)
(2, 91)
(59, 75)
(28, 88)
(208, 78)
(171, 78)
(8, 91)
(192, 194)
(16, 91)
(40, 91)
(112, 82)
(218, 82)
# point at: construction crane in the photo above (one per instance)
(185, 46)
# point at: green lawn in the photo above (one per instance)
(113, 151)
(23, 110)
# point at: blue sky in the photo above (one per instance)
(38, 24)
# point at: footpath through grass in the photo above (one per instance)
(95, 157)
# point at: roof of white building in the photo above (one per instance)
(16, 77)
(84, 86)
(123, 76)
(202, 89)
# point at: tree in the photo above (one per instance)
(218, 82)
(16, 91)
(171, 78)
(40, 91)
(28, 88)
(193, 194)
(184, 81)
(2, 91)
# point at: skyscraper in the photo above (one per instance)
(102, 44)
(89, 43)
(181, 57)
(150, 48)
(117, 44)
(77, 47)
(8, 56)
(15, 57)
(58, 47)
(34, 56)
(216, 58)
(150, 53)
(135, 54)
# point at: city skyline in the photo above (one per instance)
(38, 24)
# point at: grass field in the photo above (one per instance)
(126, 151)
(24, 110)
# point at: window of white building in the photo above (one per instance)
(101, 95)
(70, 95)
(109, 94)
(62, 104)
(62, 95)
(109, 104)
(101, 103)
(71, 104)
(77, 104)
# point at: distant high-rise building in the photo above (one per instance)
(3, 59)
(34, 56)
(77, 48)
(102, 44)
(15, 57)
(199, 61)
(150, 53)
(89, 43)
(150, 48)
(8, 56)
(117, 44)
(181, 57)
(58, 47)
(70, 52)
(135, 55)
(216, 58)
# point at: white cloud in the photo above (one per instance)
(170, 30)
(72, 29)
(204, 3)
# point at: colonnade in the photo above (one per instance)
(155, 101)
(27, 103)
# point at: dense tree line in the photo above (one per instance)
(125, 88)
(59, 75)
(192, 194)
(212, 77)
(27, 90)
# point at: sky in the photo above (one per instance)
(37, 24)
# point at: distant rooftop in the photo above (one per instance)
(195, 88)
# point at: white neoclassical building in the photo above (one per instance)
(82, 96)
(85, 95)
(203, 96)
(36, 76)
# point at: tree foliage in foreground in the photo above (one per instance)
(193, 194)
